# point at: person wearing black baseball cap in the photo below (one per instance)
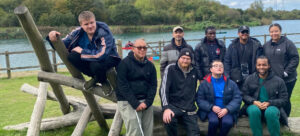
(240, 57)
(177, 93)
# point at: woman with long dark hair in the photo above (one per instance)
(284, 59)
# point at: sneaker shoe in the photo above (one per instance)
(89, 84)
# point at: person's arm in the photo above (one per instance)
(153, 86)
(235, 103)
(227, 61)
(198, 61)
(123, 85)
(293, 56)
(165, 88)
(163, 62)
(201, 101)
(246, 94)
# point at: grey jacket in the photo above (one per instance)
(170, 54)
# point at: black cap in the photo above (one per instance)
(186, 52)
(243, 28)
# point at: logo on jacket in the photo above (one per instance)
(218, 51)
(277, 49)
(194, 76)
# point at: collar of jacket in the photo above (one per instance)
(281, 40)
(270, 75)
(183, 44)
(209, 76)
(204, 41)
(131, 56)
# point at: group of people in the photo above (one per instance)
(263, 77)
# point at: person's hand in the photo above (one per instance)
(52, 36)
(216, 109)
(167, 116)
(222, 113)
(141, 107)
(258, 104)
(265, 105)
(77, 49)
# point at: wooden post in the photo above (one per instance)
(90, 98)
(265, 38)
(224, 38)
(119, 48)
(116, 125)
(54, 63)
(38, 45)
(159, 47)
(38, 110)
(7, 65)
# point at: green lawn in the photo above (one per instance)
(16, 107)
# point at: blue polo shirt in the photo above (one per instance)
(218, 85)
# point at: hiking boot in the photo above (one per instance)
(89, 84)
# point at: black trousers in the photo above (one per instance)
(289, 86)
(94, 69)
(189, 122)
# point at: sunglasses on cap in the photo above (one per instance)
(140, 47)
(245, 32)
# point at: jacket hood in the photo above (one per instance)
(131, 56)
(281, 40)
(183, 45)
(209, 76)
(219, 42)
(270, 74)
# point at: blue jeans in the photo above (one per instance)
(225, 124)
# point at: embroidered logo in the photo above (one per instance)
(218, 51)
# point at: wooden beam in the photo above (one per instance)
(38, 110)
(38, 45)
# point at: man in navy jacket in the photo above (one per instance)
(219, 100)
(91, 47)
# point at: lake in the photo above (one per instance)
(20, 60)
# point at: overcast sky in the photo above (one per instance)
(281, 4)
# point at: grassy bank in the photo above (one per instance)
(16, 107)
(17, 32)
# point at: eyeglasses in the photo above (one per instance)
(218, 66)
(141, 47)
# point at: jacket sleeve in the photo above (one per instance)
(201, 101)
(227, 61)
(153, 86)
(165, 88)
(163, 62)
(67, 40)
(282, 95)
(247, 96)
(123, 85)
(198, 61)
(293, 56)
(97, 54)
(235, 103)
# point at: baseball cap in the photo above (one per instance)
(177, 27)
(243, 28)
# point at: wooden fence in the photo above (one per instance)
(155, 49)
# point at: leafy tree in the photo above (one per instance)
(125, 14)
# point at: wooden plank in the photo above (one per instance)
(38, 45)
(38, 110)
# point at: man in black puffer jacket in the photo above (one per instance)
(239, 61)
(136, 90)
(209, 49)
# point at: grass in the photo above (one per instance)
(16, 107)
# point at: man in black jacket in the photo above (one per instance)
(208, 50)
(241, 55)
(265, 95)
(177, 93)
(171, 51)
(136, 90)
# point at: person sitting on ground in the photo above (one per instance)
(265, 95)
(218, 99)
(91, 47)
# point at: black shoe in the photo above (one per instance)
(89, 84)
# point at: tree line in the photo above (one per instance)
(142, 12)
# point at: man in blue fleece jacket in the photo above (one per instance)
(91, 47)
